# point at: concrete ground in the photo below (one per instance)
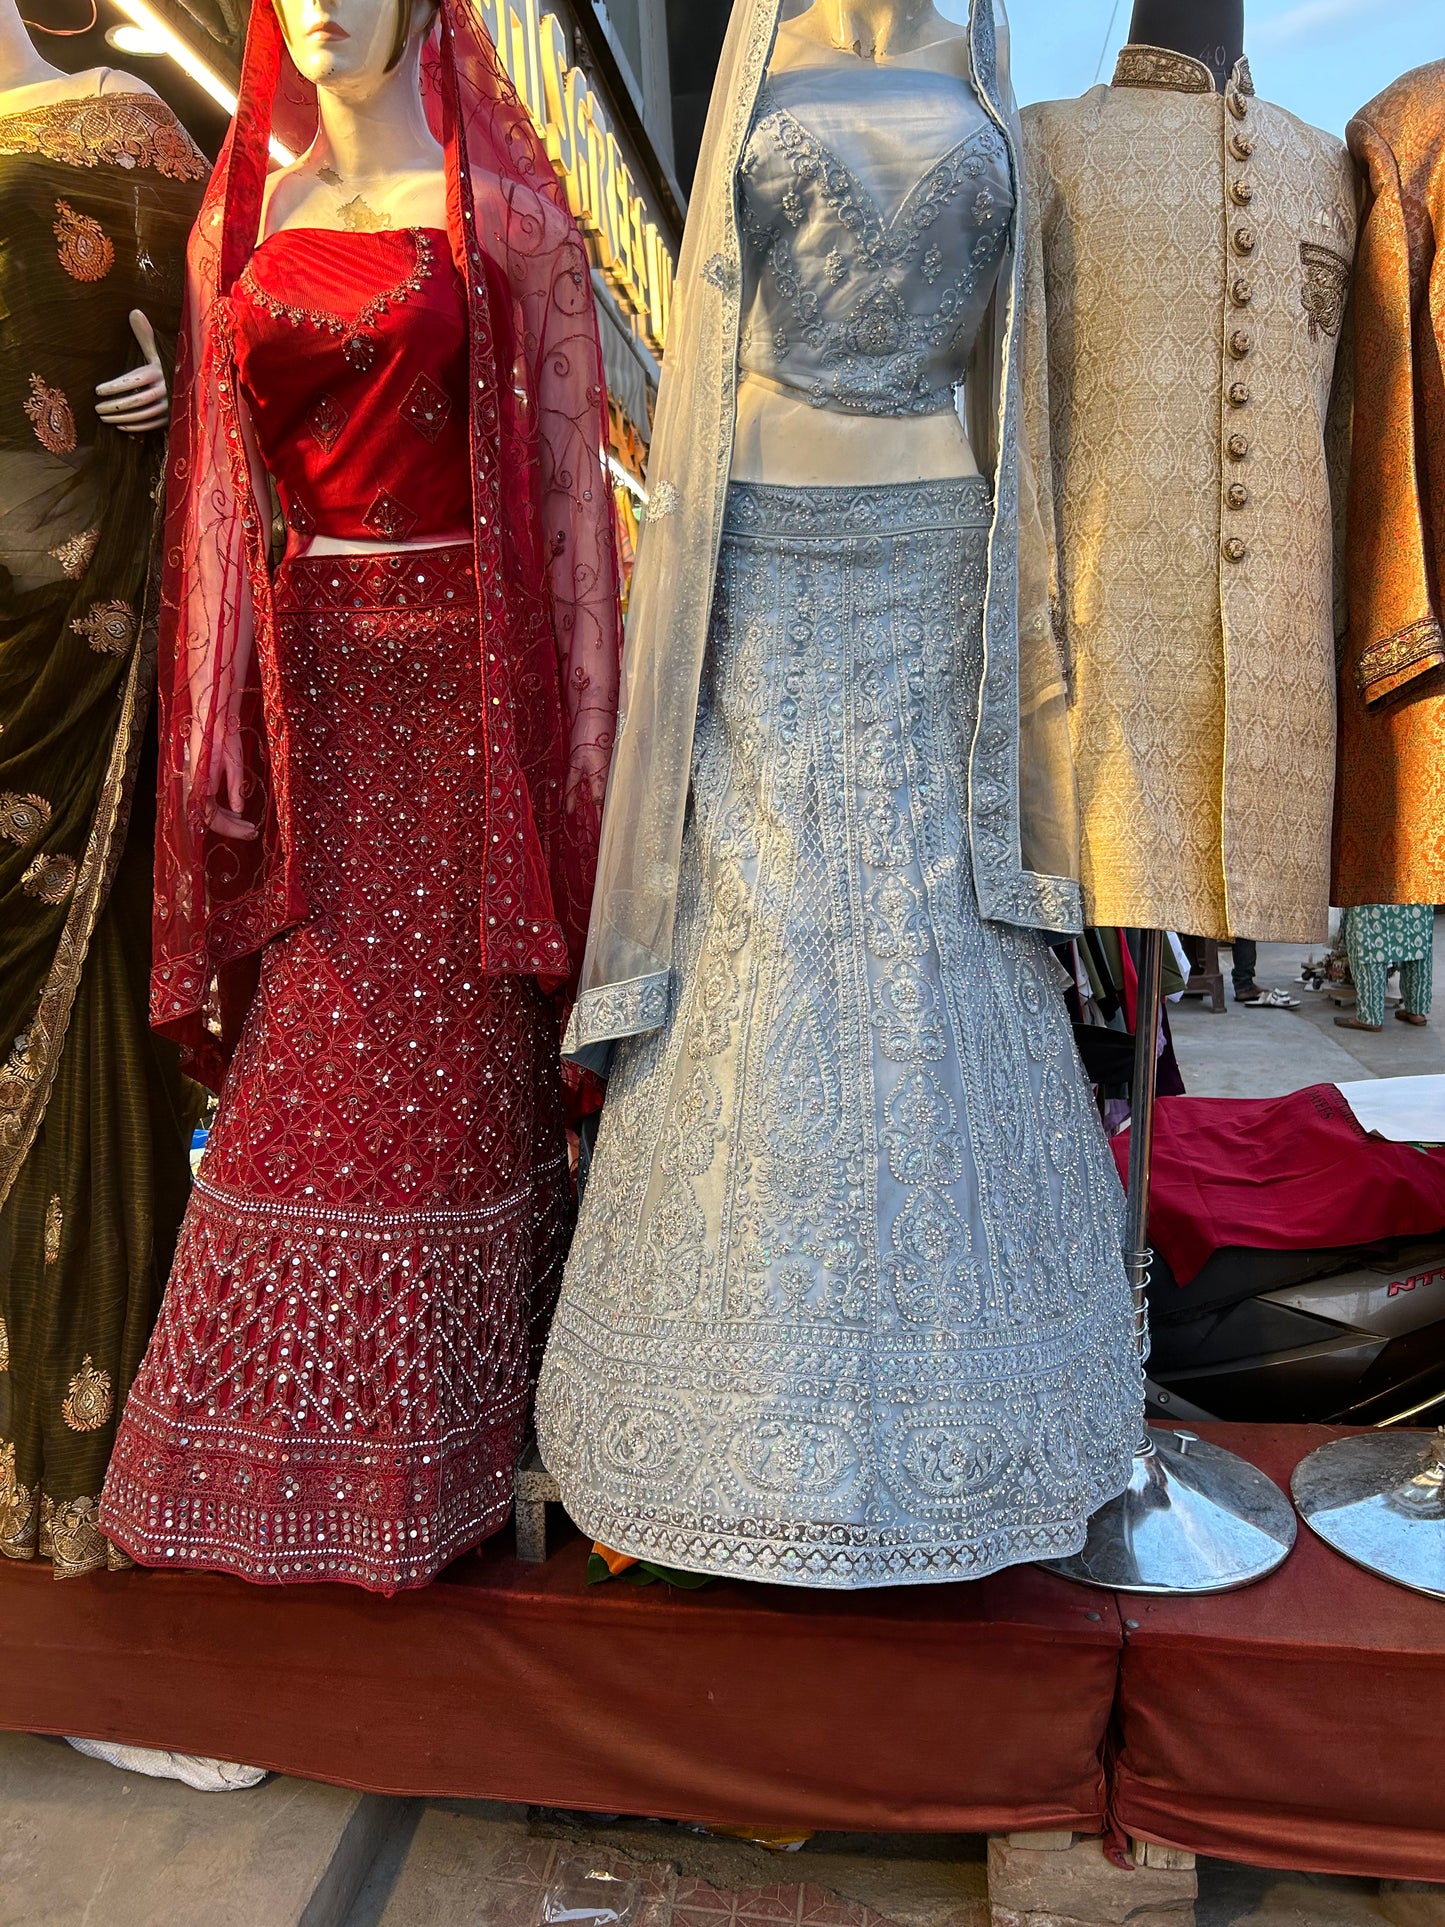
(82, 1845)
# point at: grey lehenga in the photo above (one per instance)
(846, 1305)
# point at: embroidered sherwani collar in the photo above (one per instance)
(1142, 66)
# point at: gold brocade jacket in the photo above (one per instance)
(1186, 296)
(1390, 821)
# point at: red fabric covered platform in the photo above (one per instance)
(960, 1708)
(1295, 1724)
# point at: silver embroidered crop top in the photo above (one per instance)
(875, 206)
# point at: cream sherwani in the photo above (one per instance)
(1185, 298)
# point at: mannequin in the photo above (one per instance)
(827, 1280)
(1207, 30)
(784, 441)
(409, 713)
(135, 402)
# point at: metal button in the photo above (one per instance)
(1235, 550)
(1244, 240)
(1240, 344)
(1237, 495)
(1238, 394)
(1241, 193)
(1237, 447)
(1241, 146)
(1241, 293)
(1237, 103)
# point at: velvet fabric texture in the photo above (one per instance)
(96, 196)
(1390, 804)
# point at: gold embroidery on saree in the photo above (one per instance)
(4, 1346)
(54, 1231)
(70, 1536)
(51, 878)
(27, 1078)
(75, 555)
(123, 130)
(83, 245)
(17, 1510)
(109, 627)
(89, 1402)
(22, 818)
(52, 417)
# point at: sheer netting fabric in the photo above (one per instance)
(341, 1376)
(547, 631)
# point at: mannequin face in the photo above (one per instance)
(341, 45)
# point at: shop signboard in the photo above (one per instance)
(635, 257)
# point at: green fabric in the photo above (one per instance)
(95, 1117)
(1378, 936)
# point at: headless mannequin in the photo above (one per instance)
(1207, 30)
(790, 443)
(374, 162)
(136, 402)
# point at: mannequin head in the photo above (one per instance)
(1207, 30)
(348, 47)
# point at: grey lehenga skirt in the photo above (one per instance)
(847, 1304)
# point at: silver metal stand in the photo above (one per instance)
(1193, 1518)
(1380, 1500)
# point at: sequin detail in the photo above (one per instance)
(339, 1380)
(52, 417)
(84, 247)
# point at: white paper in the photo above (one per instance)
(1402, 1110)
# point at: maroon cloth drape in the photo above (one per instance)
(1280, 1174)
(1295, 1724)
(960, 1708)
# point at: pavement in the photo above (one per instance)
(82, 1845)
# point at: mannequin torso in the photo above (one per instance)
(790, 443)
(1208, 30)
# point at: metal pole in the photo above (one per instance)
(1138, 1252)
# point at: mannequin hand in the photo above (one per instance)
(137, 402)
(228, 775)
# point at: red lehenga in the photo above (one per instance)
(340, 1378)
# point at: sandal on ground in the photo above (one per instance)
(1269, 1000)
(1353, 1023)
(1411, 1017)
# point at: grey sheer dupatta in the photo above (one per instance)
(1022, 803)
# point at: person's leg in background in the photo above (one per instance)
(1417, 989)
(1246, 962)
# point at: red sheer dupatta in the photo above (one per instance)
(549, 639)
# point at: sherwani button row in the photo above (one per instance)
(1237, 447)
(1239, 394)
(1240, 344)
(1244, 240)
(1241, 146)
(1235, 550)
(1241, 293)
(1241, 193)
(1237, 495)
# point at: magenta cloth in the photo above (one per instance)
(1279, 1174)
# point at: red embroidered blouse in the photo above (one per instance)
(352, 352)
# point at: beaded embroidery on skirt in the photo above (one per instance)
(339, 1382)
(847, 1304)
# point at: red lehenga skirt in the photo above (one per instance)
(340, 1378)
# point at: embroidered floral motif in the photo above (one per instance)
(392, 520)
(1326, 285)
(720, 274)
(84, 247)
(89, 1402)
(325, 421)
(1397, 659)
(22, 818)
(663, 501)
(50, 412)
(4, 1346)
(76, 555)
(427, 407)
(17, 1510)
(119, 130)
(109, 627)
(54, 1229)
(51, 878)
